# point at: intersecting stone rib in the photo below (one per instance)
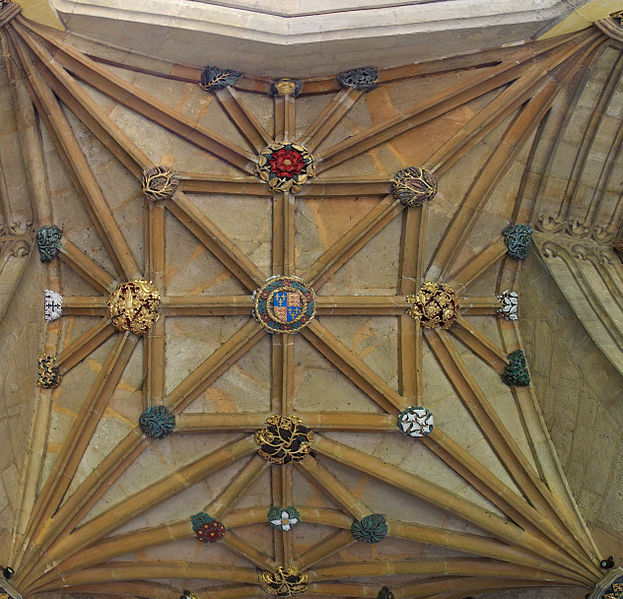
(352, 241)
(120, 571)
(517, 133)
(245, 122)
(326, 547)
(480, 83)
(85, 267)
(445, 567)
(158, 535)
(77, 165)
(285, 118)
(437, 496)
(283, 234)
(480, 305)
(498, 436)
(222, 184)
(86, 109)
(154, 494)
(512, 505)
(354, 368)
(214, 239)
(472, 544)
(88, 342)
(80, 435)
(330, 116)
(84, 305)
(479, 265)
(372, 305)
(207, 305)
(127, 450)
(154, 364)
(480, 344)
(325, 188)
(134, 98)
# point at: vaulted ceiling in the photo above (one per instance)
(477, 504)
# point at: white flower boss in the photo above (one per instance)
(415, 422)
(284, 518)
(509, 304)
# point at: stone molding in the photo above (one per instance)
(588, 274)
(382, 33)
(9, 590)
(363, 19)
(602, 586)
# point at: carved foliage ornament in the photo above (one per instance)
(385, 593)
(52, 306)
(159, 183)
(371, 529)
(286, 87)
(133, 306)
(216, 78)
(157, 422)
(48, 242)
(415, 422)
(516, 372)
(284, 305)
(49, 375)
(285, 582)
(360, 79)
(284, 439)
(517, 239)
(207, 529)
(285, 167)
(435, 305)
(414, 185)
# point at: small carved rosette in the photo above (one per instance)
(286, 87)
(415, 422)
(414, 185)
(516, 372)
(49, 375)
(215, 78)
(517, 239)
(207, 529)
(285, 167)
(133, 306)
(285, 582)
(159, 183)
(371, 529)
(360, 79)
(157, 422)
(285, 439)
(284, 305)
(48, 242)
(435, 305)
(509, 303)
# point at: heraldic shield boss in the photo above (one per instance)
(284, 304)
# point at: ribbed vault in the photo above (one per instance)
(479, 504)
